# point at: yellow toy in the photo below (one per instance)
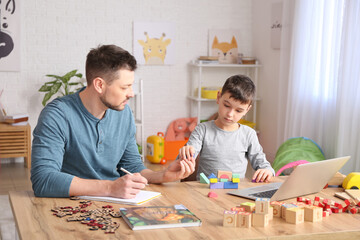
(155, 148)
(352, 181)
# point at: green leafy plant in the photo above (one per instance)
(61, 85)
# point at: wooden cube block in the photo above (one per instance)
(284, 207)
(295, 215)
(262, 205)
(271, 213)
(248, 206)
(243, 219)
(229, 218)
(313, 214)
(236, 180)
(276, 208)
(230, 185)
(224, 174)
(238, 209)
(260, 219)
(235, 175)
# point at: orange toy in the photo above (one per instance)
(180, 129)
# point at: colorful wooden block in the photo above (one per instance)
(284, 207)
(262, 205)
(235, 175)
(213, 180)
(230, 185)
(218, 185)
(313, 214)
(224, 180)
(236, 180)
(276, 208)
(243, 220)
(294, 215)
(224, 174)
(238, 209)
(248, 206)
(260, 219)
(212, 176)
(229, 219)
(204, 179)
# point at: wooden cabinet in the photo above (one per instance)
(15, 141)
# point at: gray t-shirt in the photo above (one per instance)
(227, 151)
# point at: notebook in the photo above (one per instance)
(142, 197)
(305, 179)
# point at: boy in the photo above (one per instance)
(224, 144)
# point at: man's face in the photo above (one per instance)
(230, 110)
(117, 94)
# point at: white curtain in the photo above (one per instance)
(320, 59)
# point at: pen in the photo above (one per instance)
(127, 172)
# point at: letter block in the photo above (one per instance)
(276, 208)
(248, 206)
(262, 205)
(295, 215)
(244, 220)
(313, 214)
(284, 207)
(229, 218)
(260, 220)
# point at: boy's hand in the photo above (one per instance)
(187, 153)
(262, 175)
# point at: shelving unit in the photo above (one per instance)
(250, 70)
(137, 106)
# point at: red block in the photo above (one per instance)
(212, 195)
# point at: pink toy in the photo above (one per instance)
(212, 195)
(180, 129)
(290, 165)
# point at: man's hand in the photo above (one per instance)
(262, 175)
(179, 169)
(127, 186)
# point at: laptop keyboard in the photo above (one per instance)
(266, 194)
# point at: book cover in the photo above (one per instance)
(139, 218)
(142, 197)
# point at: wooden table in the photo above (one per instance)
(15, 141)
(34, 220)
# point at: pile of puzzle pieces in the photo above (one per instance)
(95, 219)
(259, 214)
(223, 180)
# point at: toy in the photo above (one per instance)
(352, 181)
(180, 129)
(212, 194)
(295, 215)
(204, 179)
(155, 148)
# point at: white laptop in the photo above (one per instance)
(305, 179)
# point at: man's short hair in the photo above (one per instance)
(104, 62)
(240, 87)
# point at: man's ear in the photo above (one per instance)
(99, 84)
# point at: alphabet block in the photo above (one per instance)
(262, 205)
(284, 207)
(260, 220)
(313, 214)
(248, 206)
(295, 215)
(229, 218)
(276, 208)
(244, 220)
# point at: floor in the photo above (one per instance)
(14, 176)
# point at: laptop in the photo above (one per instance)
(305, 179)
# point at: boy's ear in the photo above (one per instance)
(248, 109)
(218, 97)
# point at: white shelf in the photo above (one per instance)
(250, 70)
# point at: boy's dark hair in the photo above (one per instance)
(105, 60)
(240, 87)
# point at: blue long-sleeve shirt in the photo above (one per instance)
(69, 141)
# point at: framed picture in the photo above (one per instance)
(154, 43)
(10, 35)
(223, 43)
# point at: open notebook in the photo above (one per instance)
(142, 197)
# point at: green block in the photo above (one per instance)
(224, 180)
(236, 175)
(204, 179)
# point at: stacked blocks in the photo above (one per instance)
(224, 180)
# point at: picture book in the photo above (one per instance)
(139, 218)
(142, 197)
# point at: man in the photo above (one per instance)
(82, 140)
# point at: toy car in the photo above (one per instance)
(352, 181)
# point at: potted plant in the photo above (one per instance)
(61, 85)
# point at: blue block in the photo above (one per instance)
(212, 176)
(230, 185)
(218, 185)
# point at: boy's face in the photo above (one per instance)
(119, 91)
(230, 111)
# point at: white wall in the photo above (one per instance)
(268, 75)
(57, 35)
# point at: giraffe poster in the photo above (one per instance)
(10, 35)
(154, 43)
